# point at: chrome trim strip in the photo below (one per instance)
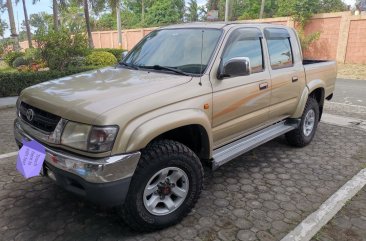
(101, 170)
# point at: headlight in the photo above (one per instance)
(89, 138)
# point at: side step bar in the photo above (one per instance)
(228, 152)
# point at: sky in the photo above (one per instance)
(46, 6)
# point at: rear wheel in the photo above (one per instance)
(164, 188)
(305, 133)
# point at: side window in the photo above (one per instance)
(279, 47)
(246, 42)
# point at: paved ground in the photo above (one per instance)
(260, 196)
(350, 92)
(349, 224)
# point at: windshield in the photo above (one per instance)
(178, 49)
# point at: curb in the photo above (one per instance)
(345, 107)
(7, 106)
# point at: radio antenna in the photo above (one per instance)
(200, 83)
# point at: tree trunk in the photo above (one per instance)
(55, 14)
(262, 9)
(142, 11)
(13, 29)
(29, 35)
(87, 21)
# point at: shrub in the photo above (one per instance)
(77, 61)
(11, 84)
(58, 47)
(116, 52)
(11, 56)
(100, 58)
(33, 55)
(20, 61)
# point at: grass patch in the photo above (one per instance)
(4, 68)
(352, 71)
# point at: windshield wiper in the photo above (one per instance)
(172, 69)
(128, 65)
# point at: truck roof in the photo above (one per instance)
(219, 25)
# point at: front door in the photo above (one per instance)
(241, 104)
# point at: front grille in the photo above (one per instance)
(42, 120)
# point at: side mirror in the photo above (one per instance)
(124, 54)
(239, 66)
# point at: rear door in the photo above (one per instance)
(287, 72)
(241, 104)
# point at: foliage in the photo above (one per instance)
(192, 11)
(165, 12)
(307, 40)
(11, 84)
(105, 22)
(20, 61)
(116, 52)
(302, 10)
(11, 56)
(33, 55)
(77, 61)
(6, 45)
(58, 47)
(41, 20)
(100, 58)
(3, 27)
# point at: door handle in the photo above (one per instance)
(295, 79)
(263, 86)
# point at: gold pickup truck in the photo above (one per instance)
(136, 135)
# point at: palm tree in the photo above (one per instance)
(87, 22)
(192, 11)
(262, 9)
(13, 30)
(26, 20)
(55, 14)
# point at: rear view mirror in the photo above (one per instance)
(234, 67)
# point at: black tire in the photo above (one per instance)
(155, 157)
(297, 137)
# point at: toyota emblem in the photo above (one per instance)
(30, 114)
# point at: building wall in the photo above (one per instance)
(356, 47)
(342, 38)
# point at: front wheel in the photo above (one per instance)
(304, 134)
(166, 185)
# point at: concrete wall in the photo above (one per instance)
(343, 37)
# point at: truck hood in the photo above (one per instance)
(83, 97)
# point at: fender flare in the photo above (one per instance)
(309, 88)
(149, 130)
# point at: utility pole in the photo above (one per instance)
(226, 10)
(119, 25)
(262, 9)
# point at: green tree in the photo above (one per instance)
(26, 21)
(41, 20)
(192, 11)
(13, 31)
(327, 6)
(3, 27)
(165, 12)
(106, 22)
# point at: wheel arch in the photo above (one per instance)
(189, 127)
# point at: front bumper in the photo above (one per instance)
(105, 180)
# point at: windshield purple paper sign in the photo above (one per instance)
(30, 159)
